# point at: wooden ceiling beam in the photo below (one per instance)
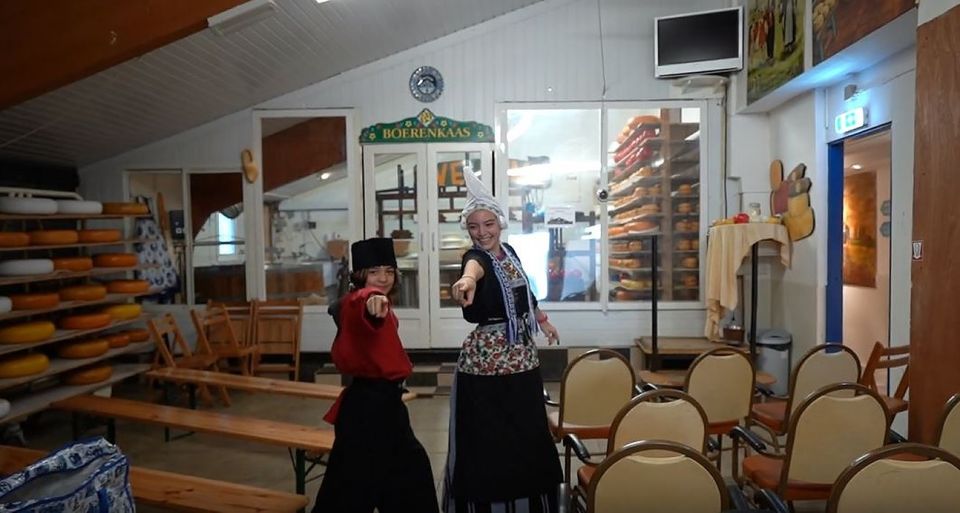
(48, 44)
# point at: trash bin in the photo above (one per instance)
(773, 357)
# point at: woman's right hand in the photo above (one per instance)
(463, 290)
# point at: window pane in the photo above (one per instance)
(553, 175)
(653, 167)
(395, 183)
(216, 213)
(452, 197)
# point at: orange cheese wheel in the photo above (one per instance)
(13, 239)
(117, 340)
(136, 335)
(73, 264)
(125, 209)
(127, 286)
(89, 375)
(35, 301)
(84, 348)
(27, 332)
(85, 321)
(23, 365)
(53, 237)
(115, 260)
(124, 312)
(99, 235)
(83, 293)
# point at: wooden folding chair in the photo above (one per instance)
(215, 328)
(173, 351)
(885, 358)
(276, 329)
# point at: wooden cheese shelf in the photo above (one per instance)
(60, 335)
(63, 275)
(59, 365)
(37, 401)
(80, 217)
(77, 245)
(67, 305)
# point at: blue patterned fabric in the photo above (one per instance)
(90, 476)
(507, 285)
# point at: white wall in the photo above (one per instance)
(930, 9)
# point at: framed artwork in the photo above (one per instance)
(838, 24)
(774, 44)
(860, 229)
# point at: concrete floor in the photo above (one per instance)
(251, 463)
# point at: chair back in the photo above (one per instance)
(722, 382)
(241, 319)
(826, 364)
(169, 341)
(669, 415)
(632, 480)
(594, 387)
(948, 437)
(830, 430)
(216, 328)
(276, 331)
(879, 482)
(885, 358)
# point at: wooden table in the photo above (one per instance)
(676, 378)
(682, 346)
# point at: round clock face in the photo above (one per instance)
(426, 84)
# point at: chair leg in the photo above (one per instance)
(566, 466)
(719, 451)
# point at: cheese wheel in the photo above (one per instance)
(124, 312)
(5, 304)
(127, 286)
(118, 340)
(26, 267)
(4, 408)
(136, 335)
(27, 332)
(115, 260)
(23, 365)
(83, 293)
(35, 301)
(79, 207)
(28, 206)
(53, 237)
(89, 375)
(99, 235)
(84, 348)
(13, 239)
(125, 209)
(85, 321)
(75, 264)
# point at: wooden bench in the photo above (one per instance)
(283, 434)
(252, 383)
(179, 492)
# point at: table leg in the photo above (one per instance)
(754, 255)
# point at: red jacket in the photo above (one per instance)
(365, 346)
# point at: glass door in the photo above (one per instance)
(448, 241)
(395, 204)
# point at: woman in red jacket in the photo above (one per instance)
(376, 461)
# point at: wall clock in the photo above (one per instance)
(426, 84)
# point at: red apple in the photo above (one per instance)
(741, 218)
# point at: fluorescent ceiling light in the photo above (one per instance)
(322, 1)
(857, 167)
(241, 16)
(324, 176)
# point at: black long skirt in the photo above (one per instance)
(501, 455)
(376, 460)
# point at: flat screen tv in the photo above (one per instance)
(698, 43)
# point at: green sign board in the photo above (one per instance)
(426, 127)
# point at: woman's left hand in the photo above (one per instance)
(553, 336)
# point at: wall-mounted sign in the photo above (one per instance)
(917, 251)
(426, 127)
(850, 120)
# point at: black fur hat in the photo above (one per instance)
(373, 253)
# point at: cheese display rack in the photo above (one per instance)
(654, 185)
(31, 393)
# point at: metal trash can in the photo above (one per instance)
(773, 357)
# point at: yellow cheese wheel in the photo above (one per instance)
(99, 235)
(13, 239)
(127, 286)
(84, 348)
(23, 365)
(125, 209)
(83, 293)
(89, 375)
(115, 260)
(27, 332)
(124, 312)
(117, 340)
(35, 301)
(85, 321)
(53, 237)
(73, 264)
(136, 335)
